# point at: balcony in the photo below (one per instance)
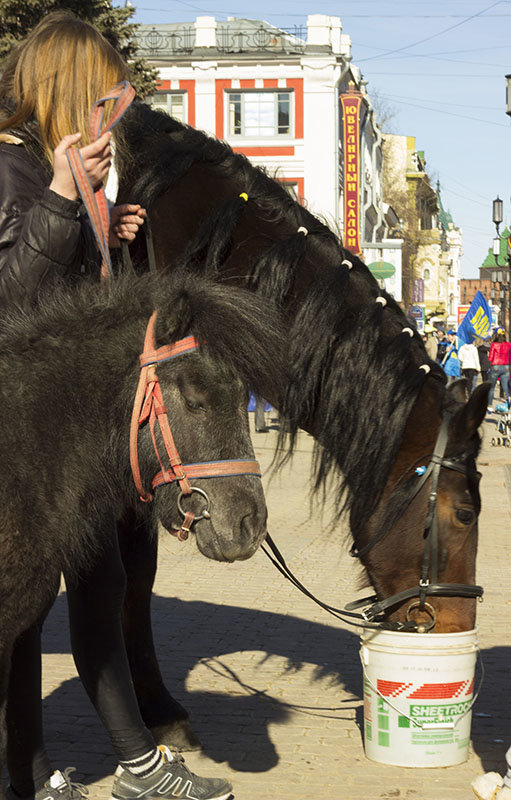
(174, 40)
(160, 43)
(263, 39)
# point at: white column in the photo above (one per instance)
(336, 34)
(205, 32)
(205, 73)
(320, 146)
(318, 29)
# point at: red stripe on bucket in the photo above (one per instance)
(438, 691)
(392, 688)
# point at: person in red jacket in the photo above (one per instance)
(499, 357)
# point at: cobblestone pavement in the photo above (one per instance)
(272, 682)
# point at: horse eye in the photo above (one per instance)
(193, 405)
(464, 515)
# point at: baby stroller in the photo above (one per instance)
(503, 426)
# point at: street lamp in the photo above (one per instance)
(500, 276)
(508, 95)
(498, 210)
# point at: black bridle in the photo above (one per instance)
(428, 586)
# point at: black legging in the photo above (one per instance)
(471, 376)
(95, 602)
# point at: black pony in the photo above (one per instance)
(361, 381)
(68, 377)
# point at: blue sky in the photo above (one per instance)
(438, 66)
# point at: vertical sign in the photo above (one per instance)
(417, 314)
(462, 310)
(418, 290)
(351, 119)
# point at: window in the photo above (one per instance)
(259, 114)
(427, 274)
(174, 103)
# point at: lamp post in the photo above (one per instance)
(497, 212)
(500, 277)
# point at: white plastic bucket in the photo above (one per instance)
(418, 696)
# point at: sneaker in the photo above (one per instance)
(58, 787)
(172, 780)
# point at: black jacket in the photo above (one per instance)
(484, 361)
(42, 235)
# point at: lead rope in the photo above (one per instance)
(349, 617)
(94, 200)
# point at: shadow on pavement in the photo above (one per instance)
(232, 724)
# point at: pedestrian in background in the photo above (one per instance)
(483, 349)
(259, 415)
(430, 342)
(499, 356)
(469, 363)
(450, 362)
(442, 345)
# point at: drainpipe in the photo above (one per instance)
(362, 170)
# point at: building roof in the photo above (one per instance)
(490, 260)
(444, 217)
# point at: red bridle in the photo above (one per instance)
(149, 406)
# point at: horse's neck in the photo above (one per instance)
(421, 430)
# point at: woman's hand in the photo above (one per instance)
(96, 157)
(125, 220)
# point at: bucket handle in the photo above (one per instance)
(428, 726)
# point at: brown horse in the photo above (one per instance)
(400, 445)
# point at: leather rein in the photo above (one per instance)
(149, 407)
(372, 608)
(94, 199)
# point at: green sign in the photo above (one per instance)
(382, 269)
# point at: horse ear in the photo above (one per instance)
(458, 390)
(174, 320)
(468, 419)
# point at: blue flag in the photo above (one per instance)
(477, 321)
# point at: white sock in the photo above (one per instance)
(144, 766)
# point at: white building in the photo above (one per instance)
(274, 95)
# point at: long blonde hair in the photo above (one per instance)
(54, 77)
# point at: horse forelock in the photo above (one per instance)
(243, 333)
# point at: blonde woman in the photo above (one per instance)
(47, 89)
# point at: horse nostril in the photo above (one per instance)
(252, 530)
(247, 527)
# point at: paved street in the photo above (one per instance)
(272, 682)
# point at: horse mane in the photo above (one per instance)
(355, 374)
(244, 344)
(157, 150)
